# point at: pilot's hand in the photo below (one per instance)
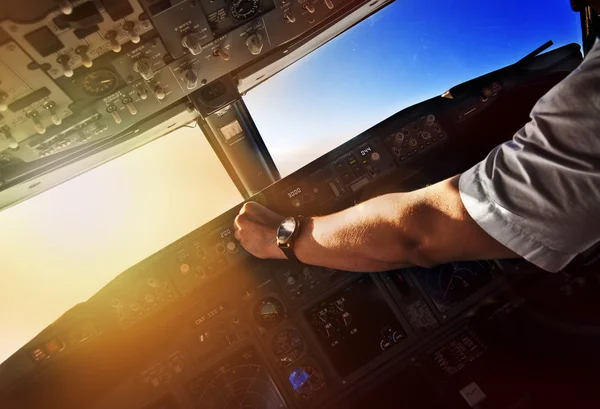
(256, 229)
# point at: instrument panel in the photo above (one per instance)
(202, 324)
(74, 73)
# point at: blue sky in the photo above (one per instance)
(410, 51)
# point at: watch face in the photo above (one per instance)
(286, 230)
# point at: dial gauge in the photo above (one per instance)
(269, 312)
(287, 346)
(99, 82)
(244, 9)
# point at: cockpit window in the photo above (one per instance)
(408, 52)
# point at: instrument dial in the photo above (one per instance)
(244, 9)
(269, 312)
(99, 83)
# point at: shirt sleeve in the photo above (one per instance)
(539, 193)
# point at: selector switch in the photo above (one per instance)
(111, 36)
(37, 124)
(254, 43)
(50, 106)
(191, 41)
(129, 27)
(86, 61)
(63, 60)
(190, 78)
(143, 66)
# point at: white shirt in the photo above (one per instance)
(539, 194)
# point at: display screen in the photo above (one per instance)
(44, 41)
(355, 325)
(241, 381)
(450, 284)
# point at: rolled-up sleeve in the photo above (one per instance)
(539, 193)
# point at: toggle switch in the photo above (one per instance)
(63, 60)
(128, 102)
(111, 36)
(37, 124)
(3, 101)
(329, 4)
(112, 109)
(50, 106)
(129, 27)
(289, 17)
(159, 93)
(12, 142)
(308, 7)
(81, 51)
(219, 52)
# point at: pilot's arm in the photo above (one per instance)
(536, 196)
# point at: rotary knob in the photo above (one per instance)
(63, 60)
(190, 78)
(143, 66)
(191, 41)
(254, 43)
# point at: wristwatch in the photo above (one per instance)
(287, 233)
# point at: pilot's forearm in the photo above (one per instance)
(426, 227)
(366, 237)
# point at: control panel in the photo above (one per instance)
(73, 73)
(202, 323)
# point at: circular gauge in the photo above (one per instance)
(287, 346)
(99, 82)
(269, 312)
(306, 380)
(244, 9)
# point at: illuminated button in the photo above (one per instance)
(232, 247)
(135, 306)
(116, 303)
(53, 346)
(153, 282)
(375, 156)
(351, 160)
(184, 268)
